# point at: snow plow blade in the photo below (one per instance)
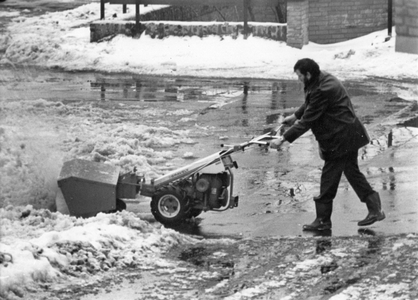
(88, 187)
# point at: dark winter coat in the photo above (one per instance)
(329, 113)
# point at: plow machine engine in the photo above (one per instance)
(206, 184)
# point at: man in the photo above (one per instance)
(329, 113)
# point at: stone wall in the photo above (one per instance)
(104, 29)
(406, 19)
(332, 21)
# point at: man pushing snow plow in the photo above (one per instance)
(207, 184)
(329, 113)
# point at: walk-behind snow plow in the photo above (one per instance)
(206, 184)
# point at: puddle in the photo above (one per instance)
(194, 255)
(158, 89)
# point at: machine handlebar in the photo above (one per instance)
(262, 140)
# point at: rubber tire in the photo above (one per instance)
(169, 198)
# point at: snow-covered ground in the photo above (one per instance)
(40, 246)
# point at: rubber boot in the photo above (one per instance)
(323, 218)
(375, 210)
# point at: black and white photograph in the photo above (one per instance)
(208, 150)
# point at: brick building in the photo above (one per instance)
(295, 21)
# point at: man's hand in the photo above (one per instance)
(290, 120)
(277, 143)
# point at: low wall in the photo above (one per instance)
(102, 29)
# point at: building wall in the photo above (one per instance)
(319, 21)
(218, 14)
(332, 21)
(406, 19)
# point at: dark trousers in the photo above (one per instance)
(331, 176)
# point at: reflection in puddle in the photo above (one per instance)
(394, 138)
(156, 89)
(371, 253)
(149, 89)
(389, 178)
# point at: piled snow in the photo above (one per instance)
(40, 246)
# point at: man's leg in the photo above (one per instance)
(330, 179)
(356, 178)
(363, 190)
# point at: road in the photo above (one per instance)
(268, 257)
(275, 188)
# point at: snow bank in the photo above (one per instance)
(40, 246)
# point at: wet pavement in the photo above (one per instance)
(27, 83)
(392, 173)
(275, 187)
(280, 186)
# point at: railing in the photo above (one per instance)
(242, 4)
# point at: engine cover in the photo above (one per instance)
(215, 191)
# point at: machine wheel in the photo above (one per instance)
(169, 206)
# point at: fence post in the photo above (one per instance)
(137, 13)
(245, 18)
(102, 9)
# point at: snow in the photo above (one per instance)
(383, 292)
(45, 246)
